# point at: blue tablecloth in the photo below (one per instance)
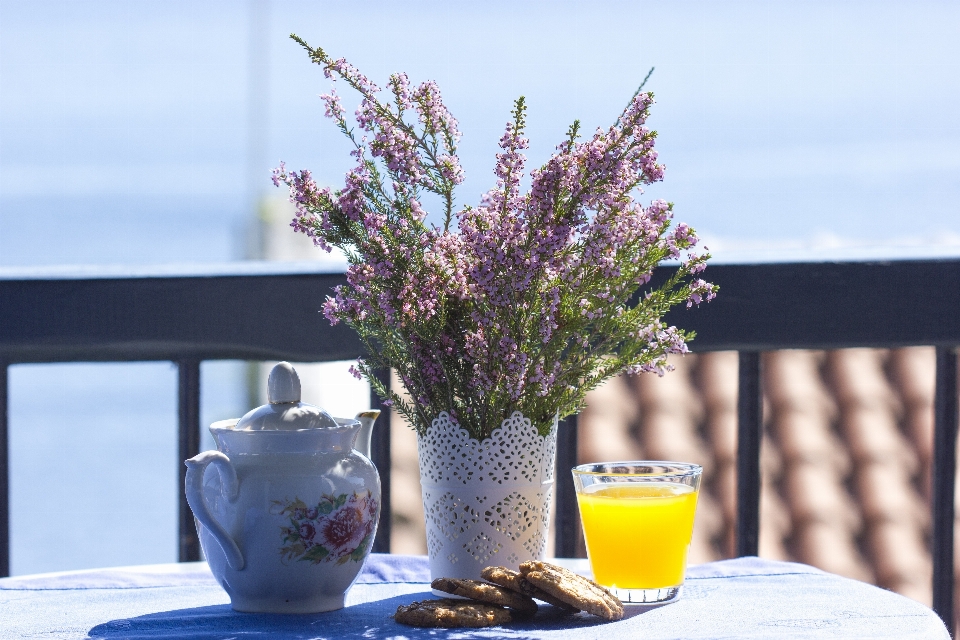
(742, 598)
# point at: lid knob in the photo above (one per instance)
(285, 412)
(283, 385)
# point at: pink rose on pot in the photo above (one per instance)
(343, 530)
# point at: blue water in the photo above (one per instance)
(130, 133)
(94, 461)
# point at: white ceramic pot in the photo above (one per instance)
(485, 503)
(291, 517)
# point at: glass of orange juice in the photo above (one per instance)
(638, 521)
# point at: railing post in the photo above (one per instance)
(189, 438)
(749, 435)
(380, 453)
(566, 520)
(4, 475)
(944, 478)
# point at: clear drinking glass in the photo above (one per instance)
(638, 521)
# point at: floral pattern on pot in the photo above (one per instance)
(338, 528)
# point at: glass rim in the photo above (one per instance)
(676, 469)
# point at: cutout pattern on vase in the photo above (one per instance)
(485, 502)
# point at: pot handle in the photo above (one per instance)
(230, 487)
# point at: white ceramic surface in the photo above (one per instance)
(485, 503)
(289, 519)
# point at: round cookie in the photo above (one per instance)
(486, 592)
(514, 580)
(451, 614)
(569, 587)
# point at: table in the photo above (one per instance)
(741, 598)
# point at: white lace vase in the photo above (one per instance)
(485, 503)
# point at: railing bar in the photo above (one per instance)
(4, 474)
(566, 521)
(189, 438)
(944, 479)
(380, 453)
(749, 434)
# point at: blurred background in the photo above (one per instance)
(143, 133)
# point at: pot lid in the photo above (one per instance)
(285, 412)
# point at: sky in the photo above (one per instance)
(145, 132)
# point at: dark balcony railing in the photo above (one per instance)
(270, 312)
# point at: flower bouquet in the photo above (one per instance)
(499, 317)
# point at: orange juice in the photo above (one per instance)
(637, 533)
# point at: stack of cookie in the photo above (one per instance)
(509, 595)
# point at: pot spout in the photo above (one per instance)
(366, 418)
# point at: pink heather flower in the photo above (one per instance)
(434, 115)
(450, 168)
(700, 291)
(279, 174)
(510, 304)
(347, 71)
(333, 109)
(352, 198)
(400, 85)
(416, 210)
(696, 264)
